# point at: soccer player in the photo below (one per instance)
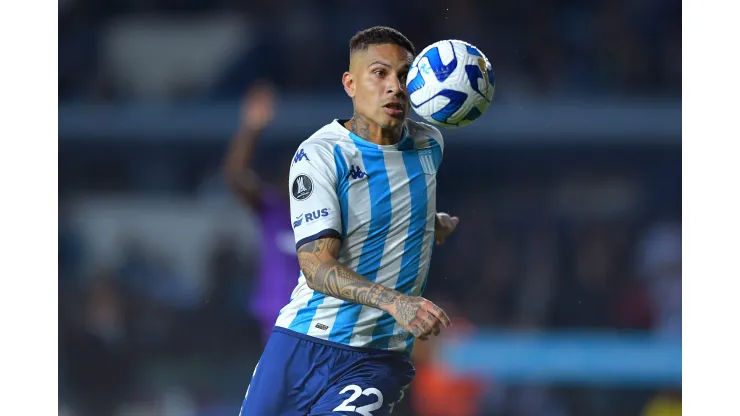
(363, 207)
(278, 266)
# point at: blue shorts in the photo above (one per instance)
(299, 375)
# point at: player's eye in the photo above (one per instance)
(379, 72)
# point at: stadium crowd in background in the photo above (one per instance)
(543, 48)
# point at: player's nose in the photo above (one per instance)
(396, 87)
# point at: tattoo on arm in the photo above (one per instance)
(318, 261)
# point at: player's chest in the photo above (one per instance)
(385, 185)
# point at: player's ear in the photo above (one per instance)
(348, 81)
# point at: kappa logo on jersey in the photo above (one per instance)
(356, 173)
(300, 156)
(310, 216)
(302, 187)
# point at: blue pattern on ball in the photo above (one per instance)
(415, 84)
(440, 70)
(473, 72)
(473, 50)
(457, 99)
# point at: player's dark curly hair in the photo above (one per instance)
(379, 35)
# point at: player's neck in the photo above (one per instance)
(374, 133)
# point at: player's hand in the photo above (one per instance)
(419, 316)
(258, 107)
(444, 225)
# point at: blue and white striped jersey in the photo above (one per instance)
(381, 202)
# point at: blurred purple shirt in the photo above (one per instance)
(278, 262)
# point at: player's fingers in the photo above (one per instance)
(436, 329)
(420, 329)
(440, 314)
(443, 225)
(432, 326)
(426, 329)
(416, 332)
(419, 334)
(433, 322)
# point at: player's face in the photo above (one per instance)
(377, 83)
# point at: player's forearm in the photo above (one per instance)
(241, 151)
(238, 164)
(340, 282)
(326, 275)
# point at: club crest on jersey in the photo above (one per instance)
(302, 187)
(427, 162)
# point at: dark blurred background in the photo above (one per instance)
(563, 279)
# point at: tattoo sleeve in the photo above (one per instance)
(323, 273)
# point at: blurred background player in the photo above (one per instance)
(265, 196)
(363, 206)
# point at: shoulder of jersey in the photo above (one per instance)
(424, 129)
(324, 138)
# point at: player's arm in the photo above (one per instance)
(324, 273)
(257, 113)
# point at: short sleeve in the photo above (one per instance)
(314, 204)
(436, 135)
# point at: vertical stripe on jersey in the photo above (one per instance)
(371, 319)
(342, 186)
(372, 248)
(421, 282)
(417, 186)
(428, 243)
(418, 222)
(303, 317)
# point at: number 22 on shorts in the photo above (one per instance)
(356, 393)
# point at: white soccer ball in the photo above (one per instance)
(450, 83)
